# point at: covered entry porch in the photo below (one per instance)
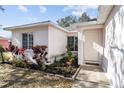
(90, 44)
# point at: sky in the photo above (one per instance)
(19, 14)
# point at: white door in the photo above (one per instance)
(92, 38)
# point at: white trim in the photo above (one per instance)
(73, 32)
(88, 25)
(73, 42)
(84, 23)
(28, 33)
(57, 26)
(95, 26)
(80, 48)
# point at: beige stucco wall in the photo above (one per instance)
(57, 41)
(114, 47)
(40, 35)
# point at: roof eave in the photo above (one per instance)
(35, 24)
(103, 13)
(84, 23)
(24, 26)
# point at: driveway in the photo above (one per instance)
(91, 76)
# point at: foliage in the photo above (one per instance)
(18, 55)
(68, 70)
(69, 54)
(7, 57)
(65, 22)
(43, 67)
(1, 53)
(19, 63)
(1, 48)
(15, 50)
(20, 60)
(63, 70)
(69, 57)
(61, 66)
(40, 54)
(75, 61)
(84, 17)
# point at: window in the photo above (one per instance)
(27, 40)
(73, 43)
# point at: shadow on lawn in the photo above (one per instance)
(15, 78)
(20, 78)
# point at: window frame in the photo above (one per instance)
(28, 40)
(74, 43)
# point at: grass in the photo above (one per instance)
(15, 77)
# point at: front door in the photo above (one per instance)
(92, 38)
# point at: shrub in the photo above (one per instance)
(19, 63)
(1, 53)
(40, 54)
(69, 57)
(18, 53)
(75, 61)
(8, 57)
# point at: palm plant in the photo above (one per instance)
(1, 52)
(69, 56)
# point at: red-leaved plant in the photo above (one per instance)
(18, 52)
(40, 53)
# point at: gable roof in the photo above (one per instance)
(35, 24)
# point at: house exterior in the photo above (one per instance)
(97, 42)
(43, 33)
(102, 42)
(4, 42)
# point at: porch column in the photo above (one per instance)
(80, 48)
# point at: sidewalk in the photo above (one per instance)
(91, 76)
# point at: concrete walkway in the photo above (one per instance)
(91, 76)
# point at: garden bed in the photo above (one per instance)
(54, 71)
(60, 73)
(66, 67)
